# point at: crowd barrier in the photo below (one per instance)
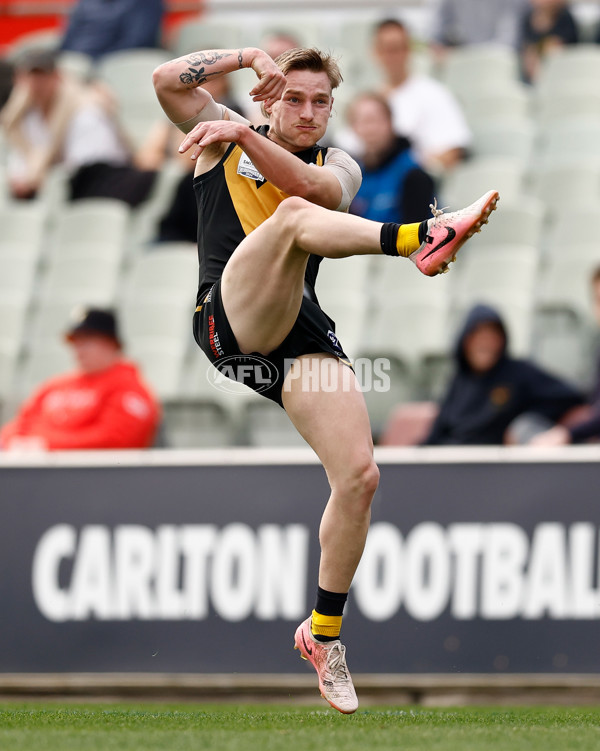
(479, 561)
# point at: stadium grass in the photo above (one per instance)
(150, 727)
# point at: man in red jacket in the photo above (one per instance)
(104, 404)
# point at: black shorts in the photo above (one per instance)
(313, 332)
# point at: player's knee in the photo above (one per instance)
(361, 481)
(289, 211)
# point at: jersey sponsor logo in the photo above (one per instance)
(449, 237)
(245, 168)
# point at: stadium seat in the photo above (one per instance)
(565, 281)
(409, 424)
(89, 228)
(81, 279)
(508, 99)
(565, 186)
(18, 274)
(191, 424)
(76, 64)
(473, 178)
(42, 362)
(146, 217)
(499, 137)
(569, 139)
(14, 306)
(518, 223)
(479, 67)
(205, 34)
(23, 225)
(169, 270)
(9, 354)
(129, 74)
(161, 361)
(574, 63)
(563, 343)
(268, 425)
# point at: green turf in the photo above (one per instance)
(51, 727)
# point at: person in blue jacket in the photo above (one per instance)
(97, 27)
(393, 184)
(490, 389)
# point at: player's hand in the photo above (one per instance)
(556, 436)
(271, 81)
(213, 131)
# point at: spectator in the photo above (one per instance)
(465, 22)
(424, 110)
(547, 26)
(394, 187)
(490, 389)
(104, 404)
(97, 27)
(588, 427)
(51, 119)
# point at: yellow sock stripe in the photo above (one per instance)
(408, 239)
(326, 625)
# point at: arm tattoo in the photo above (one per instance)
(240, 61)
(196, 73)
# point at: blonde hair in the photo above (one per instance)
(304, 58)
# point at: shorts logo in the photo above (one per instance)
(213, 338)
(334, 340)
(255, 372)
(247, 169)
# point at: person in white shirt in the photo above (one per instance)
(51, 119)
(424, 110)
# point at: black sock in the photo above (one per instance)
(423, 230)
(329, 603)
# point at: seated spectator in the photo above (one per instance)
(97, 27)
(579, 431)
(424, 110)
(104, 404)
(546, 26)
(490, 389)
(460, 23)
(51, 119)
(394, 187)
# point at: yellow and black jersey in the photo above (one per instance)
(233, 199)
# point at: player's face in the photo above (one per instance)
(299, 119)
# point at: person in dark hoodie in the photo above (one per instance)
(490, 389)
(393, 183)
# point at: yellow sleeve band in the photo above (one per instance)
(326, 625)
(408, 239)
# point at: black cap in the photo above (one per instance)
(37, 60)
(97, 321)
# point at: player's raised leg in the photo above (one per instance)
(336, 424)
(263, 280)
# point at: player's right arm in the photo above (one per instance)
(178, 84)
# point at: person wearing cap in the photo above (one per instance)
(103, 404)
(52, 119)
